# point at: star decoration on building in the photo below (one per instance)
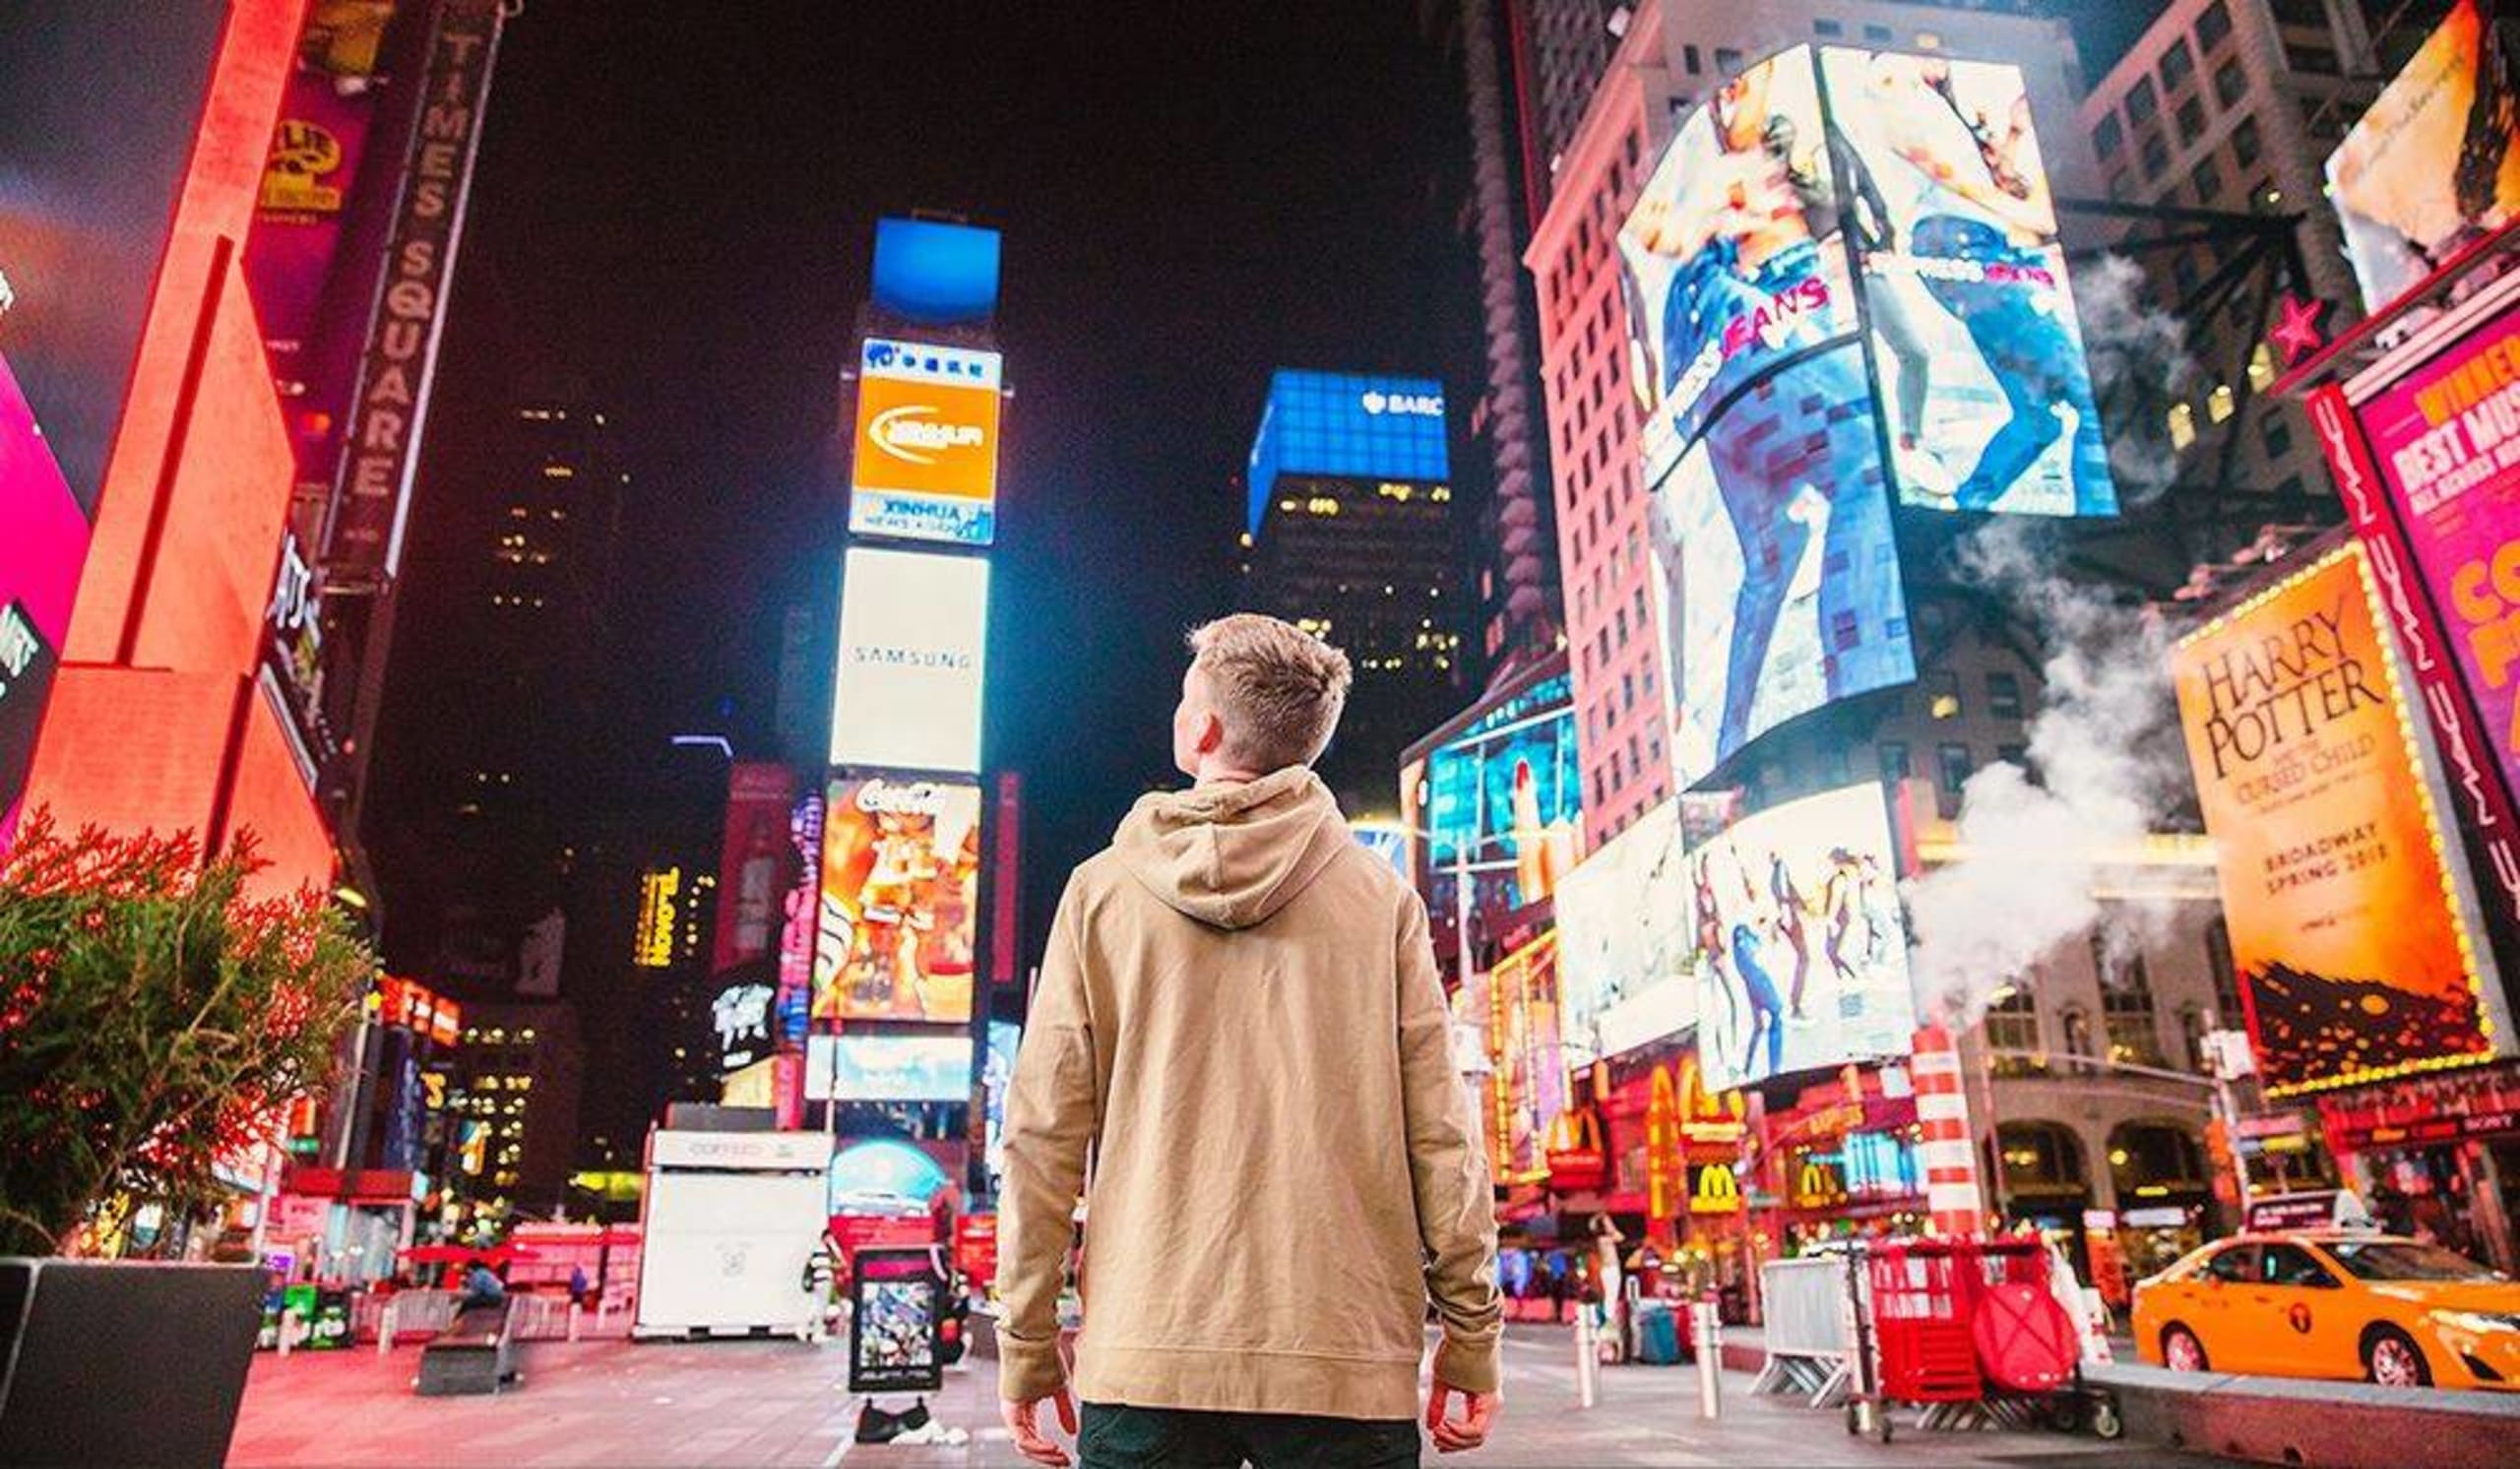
(2301, 328)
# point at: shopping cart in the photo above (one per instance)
(1970, 1332)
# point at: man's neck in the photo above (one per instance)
(1219, 773)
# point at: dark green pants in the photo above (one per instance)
(1114, 1436)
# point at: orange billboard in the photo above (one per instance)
(926, 464)
(2357, 958)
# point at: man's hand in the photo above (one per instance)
(1479, 1411)
(1024, 1421)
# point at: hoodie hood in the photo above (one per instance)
(1231, 855)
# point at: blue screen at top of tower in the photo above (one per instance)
(1348, 423)
(929, 271)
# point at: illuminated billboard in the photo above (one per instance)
(2356, 961)
(1347, 424)
(914, 646)
(1797, 910)
(40, 561)
(1777, 575)
(660, 914)
(2433, 164)
(1505, 797)
(1972, 327)
(888, 1068)
(752, 858)
(741, 1016)
(1527, 1077)
(2447, 440)
(926, 463)
(901, 866)
(935, 273)
(1628, 960)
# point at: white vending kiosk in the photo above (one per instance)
(731, 1222)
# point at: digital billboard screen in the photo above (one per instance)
(1348, 424)
(926, 463)
(2447, 440)
(914, 650)
(1777, 575)
(1971, 321)
(1526, 1076)
(1627, 963)
(2433, 163)
(753, 857)
(888, 1068)
(1797, 910)
(1506, 797)
(901, 866)
(2356, 959)
(934, 272)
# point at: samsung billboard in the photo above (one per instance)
(913, 634)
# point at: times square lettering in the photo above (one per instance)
(411, 294)
(2279, 688)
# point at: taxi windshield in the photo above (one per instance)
(2387, 1259)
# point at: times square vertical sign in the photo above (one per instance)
(363, 541)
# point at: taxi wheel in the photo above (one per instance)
(2181, 1352)
(2391, 1359)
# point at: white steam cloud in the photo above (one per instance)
(2105, 745)
(2139, 366)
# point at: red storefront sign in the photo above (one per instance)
(2425, 1111)
(976, 1247)
(1578, 1163)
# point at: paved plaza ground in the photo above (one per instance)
(783, 1403)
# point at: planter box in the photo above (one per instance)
(111, 1363)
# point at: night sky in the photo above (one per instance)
(675, 206)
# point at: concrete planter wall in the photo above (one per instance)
(123, 1363)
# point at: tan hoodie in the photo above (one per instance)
(1239, 1019)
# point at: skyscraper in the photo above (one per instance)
(1352, 534)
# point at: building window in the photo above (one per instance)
(1827, 27)
(2108, 137)
(2015, 755)
(1942, 695)
(2315, 61)
(1726, 60)
(1894, 760)
(2142, 102)
(1689, 58)
(2012, 1032)
(2229, 82)
(2003, 696)
(2275, 433)
(1953, 767)
(2207, 181)
(2191, 1035)
(2191, 120)
(2126, 1005)
(2156, 155)
(2246, 145)
(2306, 13)
(1878, 35)
(2183, 267)
(2177, 65)
(2213, 26)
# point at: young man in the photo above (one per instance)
(1239, 1023)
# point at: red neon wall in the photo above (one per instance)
(156, 721)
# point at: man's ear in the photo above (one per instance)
(1212, 733)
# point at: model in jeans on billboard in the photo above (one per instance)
(1240, 1027)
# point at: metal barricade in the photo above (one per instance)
(1806, 1328)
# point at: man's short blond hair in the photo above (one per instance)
(1277, 688)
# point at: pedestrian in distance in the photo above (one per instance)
(1240, 1027)
(482, 1287)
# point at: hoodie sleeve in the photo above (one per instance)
(1448, 1169)
(1050, 1125)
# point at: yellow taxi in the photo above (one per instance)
(2333, 1303)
